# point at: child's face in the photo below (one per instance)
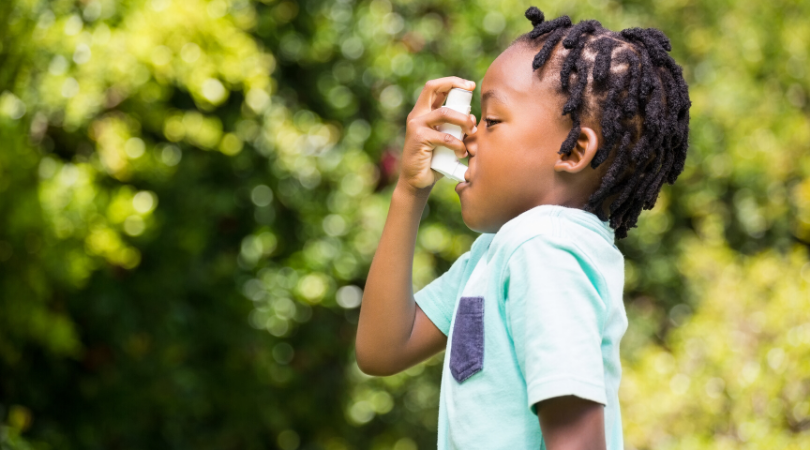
(513, 160)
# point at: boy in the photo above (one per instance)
(564, 160)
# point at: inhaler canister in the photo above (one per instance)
(444, 159)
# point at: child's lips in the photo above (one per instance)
(467, 177)
(463, 184)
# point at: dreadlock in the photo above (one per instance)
(630, 82)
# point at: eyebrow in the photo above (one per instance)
(495, 95)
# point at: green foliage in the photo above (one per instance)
(191, 193)
(735, 373)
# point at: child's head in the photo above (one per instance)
(548, 134)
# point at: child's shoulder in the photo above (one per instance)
(552, 228)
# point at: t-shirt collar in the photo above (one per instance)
(580, 216)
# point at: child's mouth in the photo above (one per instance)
(463, 184)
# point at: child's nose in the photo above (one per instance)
(469, 142)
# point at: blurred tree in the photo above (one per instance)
(735, 375)
(192, 192)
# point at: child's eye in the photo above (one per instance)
(491, 122)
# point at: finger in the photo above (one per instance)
(437, 117)
(434, 88)
(439, 100)
(437, 138)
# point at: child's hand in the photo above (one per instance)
(422, 135)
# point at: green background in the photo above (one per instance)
(191, 193)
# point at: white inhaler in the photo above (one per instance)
(444, 159)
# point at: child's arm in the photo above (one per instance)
(393, 333)
(572, 423)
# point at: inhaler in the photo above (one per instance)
(444, 159)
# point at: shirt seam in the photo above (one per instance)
(602, 279)
(590, 261)
(600, 393)
(568, 378)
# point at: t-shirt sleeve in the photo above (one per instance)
(438, 299)
(555, 315)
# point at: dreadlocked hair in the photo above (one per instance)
(629, 83)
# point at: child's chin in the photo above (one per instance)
(470, 219)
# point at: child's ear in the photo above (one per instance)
(582, 153)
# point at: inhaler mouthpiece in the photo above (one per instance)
(444, 159)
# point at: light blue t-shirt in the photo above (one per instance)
(536, 312)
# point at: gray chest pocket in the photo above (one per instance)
(467, 349)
